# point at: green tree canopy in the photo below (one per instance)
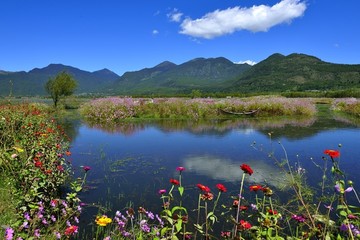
(62, 85)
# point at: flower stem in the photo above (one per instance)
(239, 203)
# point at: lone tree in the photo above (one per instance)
(62, 85)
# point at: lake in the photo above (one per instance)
(130, 162)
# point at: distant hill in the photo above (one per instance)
(167, 77)
(277, 73)
(296, 72)
(32, 83)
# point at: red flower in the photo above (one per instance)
(60, 168)
(332, 153)
(235, 203)
(38, 164)
(243, 208)
(203, 188)
(246, 168)
(174, 181)
(71, 230)
(244, 225)
(255, 188)
(273, 212)
(207, 196)
(221, 187)
(68, 153)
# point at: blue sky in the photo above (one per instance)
(124, 35)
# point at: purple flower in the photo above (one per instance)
(53, 218)
(150, 215)
(337, 188)
(27, 216)
(37, 233)
(144, 226)
(343, 227)
(254, 207)
(25, 224)
(57, 235)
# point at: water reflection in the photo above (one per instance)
(226, 170)
(215, 126)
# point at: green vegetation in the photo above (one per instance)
(62, 85)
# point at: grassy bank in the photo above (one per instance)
(34, 168)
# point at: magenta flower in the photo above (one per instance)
(9, 234)
(86, 168)
(180, 169)
(162, 191)
(298, 218)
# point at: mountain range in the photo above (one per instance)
(277, 73)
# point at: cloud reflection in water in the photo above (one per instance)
(227, 170)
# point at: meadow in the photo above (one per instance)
(40, 199)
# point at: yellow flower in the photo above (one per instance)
(103, 220)
(18, 149)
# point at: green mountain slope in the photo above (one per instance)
(296, 72)
(199, 73)
(32, 83)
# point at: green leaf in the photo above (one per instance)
(178, 225)
(167, 212)
(176, 208)
(181, 190)
(343, 213)
(199, 228)
(163, 231)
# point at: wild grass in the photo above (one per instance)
(347, 105)
(116, 109)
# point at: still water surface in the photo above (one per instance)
(130, 162)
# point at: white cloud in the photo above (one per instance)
(254, 19)
(252, 63)
(154, 32)
(175, 15)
